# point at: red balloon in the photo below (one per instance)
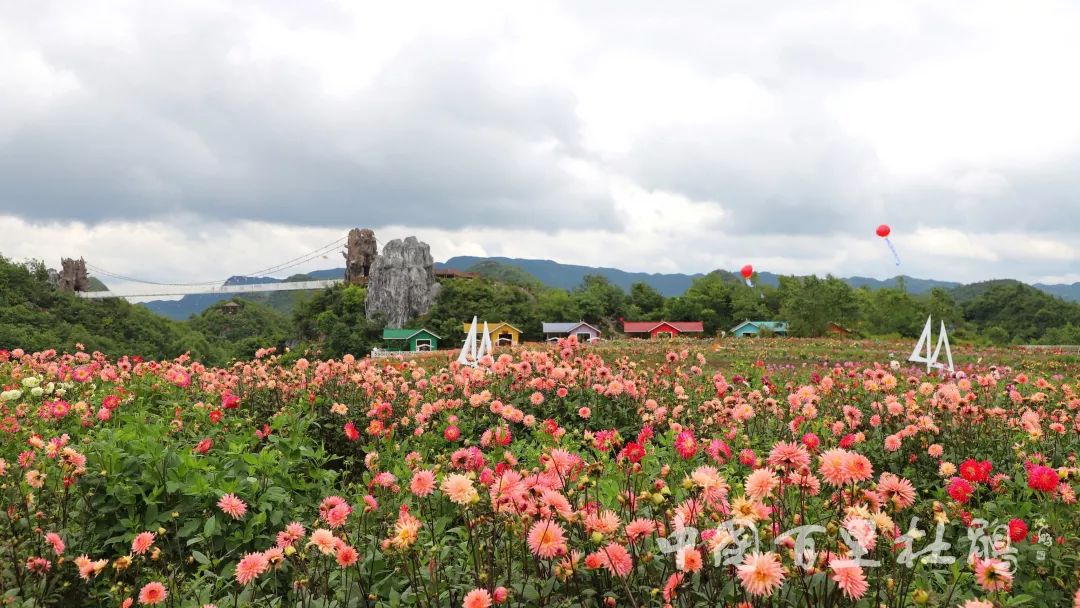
(747, 271)
(883, 230)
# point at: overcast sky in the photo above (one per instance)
(193, 140)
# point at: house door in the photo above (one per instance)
(584, 337)
(663, 334)
(505, 339)
(423, 345)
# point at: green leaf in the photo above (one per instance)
(151, 516)
(200, 557)
(189, 527)
(210, 527)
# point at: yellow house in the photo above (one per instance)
(502, 333)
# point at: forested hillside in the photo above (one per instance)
(34, 316)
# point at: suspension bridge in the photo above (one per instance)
(360, 252)
(149, 288)
(213, 289)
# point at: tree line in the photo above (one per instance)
(332, 322)
(1000, 312)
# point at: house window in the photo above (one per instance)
(423, 344)
(663, 334)
(584, 337)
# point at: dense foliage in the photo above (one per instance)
(34, 315)
(624, 474)
(335, 321)
(239, 330)
(996, 312)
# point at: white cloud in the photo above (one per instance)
(623, 96)
(998, 97)
(946, 244)
(606, 133)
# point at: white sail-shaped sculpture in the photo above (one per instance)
(469, 354)
(931, 359)
(485, 344)
(468, 350)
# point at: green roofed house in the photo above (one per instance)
(411, 340)
(756, 328)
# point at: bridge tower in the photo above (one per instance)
(73, 276)
(360, 252)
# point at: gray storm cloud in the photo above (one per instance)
(437, 138)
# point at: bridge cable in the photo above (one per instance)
(322, 251)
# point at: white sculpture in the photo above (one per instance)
(469, 354)
(931, 359)
(485, 343)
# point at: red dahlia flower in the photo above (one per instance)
(960, 489)
(1018, 530)
(1042, 478)
(686, 445)
(633, 452)
(350, 432)
(976, 471)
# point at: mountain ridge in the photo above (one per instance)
(563, 276)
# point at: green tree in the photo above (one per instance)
(942, 305)
(749, 304)
(599, 300)
(708, 300)
(242, 331)
(809, 304)
(461, 299)
(556, 305)
(997, 335)
(647, 300)
(335, 320)
(892, 310)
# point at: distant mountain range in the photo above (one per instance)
(1065, 291)
(567, 276)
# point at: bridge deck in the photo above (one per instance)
(213, 289)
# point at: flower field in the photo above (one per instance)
(753, 473)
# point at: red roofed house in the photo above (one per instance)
(662, 329)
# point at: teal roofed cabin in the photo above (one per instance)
(756, 328)
(411, 340)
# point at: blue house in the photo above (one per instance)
(754, 328)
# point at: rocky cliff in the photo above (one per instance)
(401, 283)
